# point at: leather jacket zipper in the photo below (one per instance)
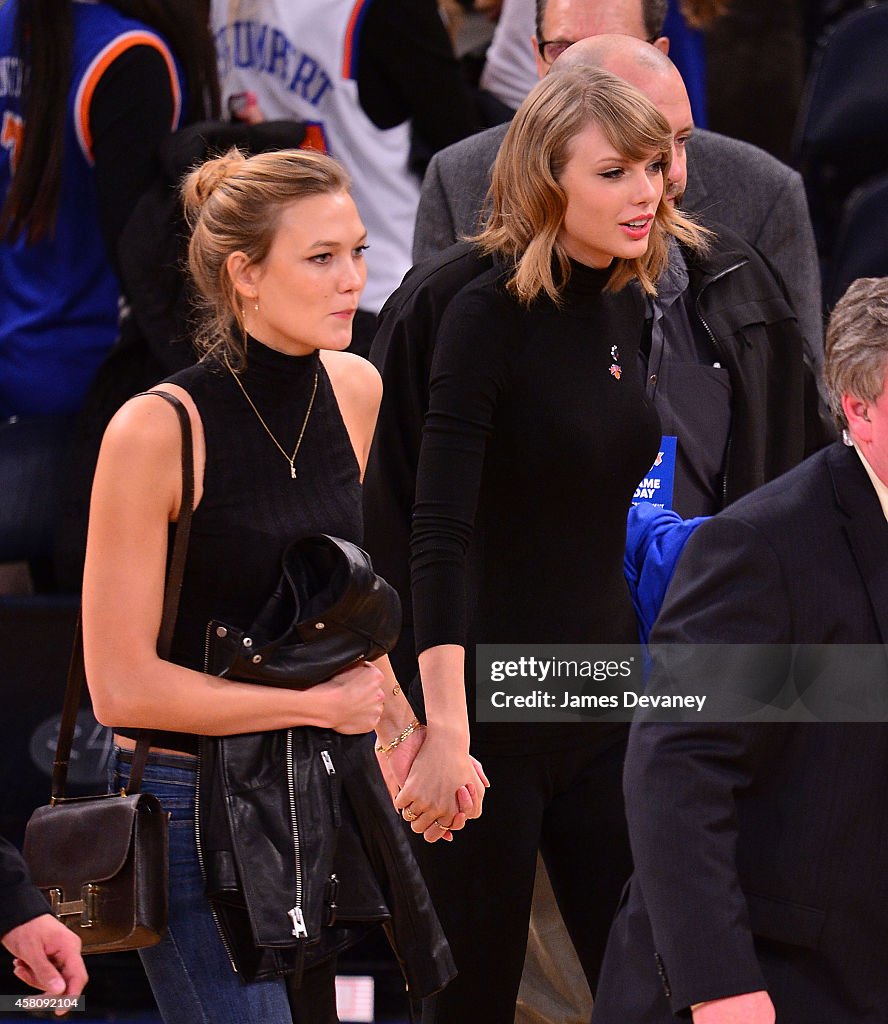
(720, 350)
(206, 663)
(333, 881)
(203, 873)
(295, 913)
(197, 842)
(334, 797)
(299, 929)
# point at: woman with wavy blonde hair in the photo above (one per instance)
(537, 434)
(529, 198)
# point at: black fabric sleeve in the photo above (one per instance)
(402, 351)
(467, 377)
(681, 780)
(407, 70)
(130, 114)
(19, 900)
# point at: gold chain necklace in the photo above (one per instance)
(291, 459)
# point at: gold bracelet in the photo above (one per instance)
(399, 739)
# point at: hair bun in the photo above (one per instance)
(199, 184)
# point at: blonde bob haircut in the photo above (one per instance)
(529, 203)
(234, 202)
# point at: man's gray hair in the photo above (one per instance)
(857, 345)
(653, 13)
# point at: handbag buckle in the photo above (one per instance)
(87, 906)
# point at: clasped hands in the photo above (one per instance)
(435, 786)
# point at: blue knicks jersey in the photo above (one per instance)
(59, 298)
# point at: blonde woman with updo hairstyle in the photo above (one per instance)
(282, 419)
(537, 435)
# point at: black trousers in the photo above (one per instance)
(314, 1002)
(569, 806)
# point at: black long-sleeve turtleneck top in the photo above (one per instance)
(537, 434)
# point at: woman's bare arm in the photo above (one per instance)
(136, 493)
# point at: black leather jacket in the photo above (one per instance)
(301, 849)
(299, 843)
(746, 316)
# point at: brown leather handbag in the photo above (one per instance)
(101, 861)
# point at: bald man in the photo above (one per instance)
(734, 183)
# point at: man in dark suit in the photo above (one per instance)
(47, 953)
(760, 850)
(735, 184)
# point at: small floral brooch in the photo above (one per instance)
(615, 369)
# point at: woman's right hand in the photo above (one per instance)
(352, 700)
(430, 794)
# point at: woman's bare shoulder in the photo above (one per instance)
(144, 441)
(146, 422)
(354, 378)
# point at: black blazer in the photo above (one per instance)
(19, 900)
(761, 850)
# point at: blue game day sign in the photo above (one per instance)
(657, 485)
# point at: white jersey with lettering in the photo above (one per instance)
(509, 67)
(300, 58)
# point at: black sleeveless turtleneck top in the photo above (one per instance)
(251, 508)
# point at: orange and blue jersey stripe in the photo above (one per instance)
(352, 35)
(99, 65)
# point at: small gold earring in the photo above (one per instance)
(243, 326)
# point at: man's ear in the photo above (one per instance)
(541, 66)
(662, 44)
(857, 414)
(244, 274)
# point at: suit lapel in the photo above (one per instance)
(865, 527)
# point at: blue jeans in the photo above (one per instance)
(189, 970)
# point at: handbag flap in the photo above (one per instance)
(83, 840)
